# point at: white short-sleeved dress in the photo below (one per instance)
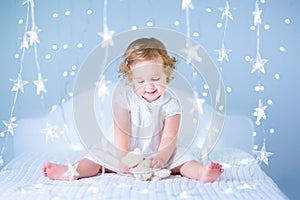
(147, 121)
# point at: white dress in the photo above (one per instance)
(147, 121)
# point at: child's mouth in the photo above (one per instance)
(151, 92)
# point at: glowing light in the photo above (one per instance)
(20, 21)
(17, 56)
(205, 94)
(277, 76)
(269, 101)
(272, 130)
(176, 23)
(192, 53)
(263, 155)
(205, 86)
(79, 45)
(55, 15)
(282, 49)
(54, 47)
(267, 26)
(53, 108)
(287, 21)
(254, 134)
(149, 23)
(89, 12)
(65, 74)
(68, 13)
(260, 112)
(252, 28)
(219, 25)
(187, 4)
(65, 46)
(247, 58)
(48, 56)
(133, 27)
(255, 146)
(208, 10)
(74, 67)
(196, 34)
(72, 171)
(229, 89)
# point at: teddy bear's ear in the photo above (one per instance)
(133, 158)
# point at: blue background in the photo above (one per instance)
(282, 115)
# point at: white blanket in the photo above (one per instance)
(243, 179)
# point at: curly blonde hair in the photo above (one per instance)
(146, 49)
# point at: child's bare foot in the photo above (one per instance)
(56, 172)
(212, 172)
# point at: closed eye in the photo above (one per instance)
(156, 79)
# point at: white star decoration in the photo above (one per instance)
(10, 126)
(50, 132)
(102, 88)
(258, 64)
(24, 43)
(40, 84)
(260, 111)
(191, 53)
(107, 36)
(187, 4)
(19, 84)
(226, 11)
(263, 155)
(197, 103)
(257, 15)
(72, 171)
(223, 53)
(33, 35)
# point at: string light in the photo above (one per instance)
(258, 66)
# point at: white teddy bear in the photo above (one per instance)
(140, 167)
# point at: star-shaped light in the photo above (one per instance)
(263, 155)
(258, 64)
(72, 171)
(107, 36)
(191, 53)
(33, 35)
(223, 53)
(187, 4)
(197, 103)
(50, 132)
(28, 2)
(102, 88)
(19, 84)
(40, 84)
(260, 111)
(257, 15)
(25, 42)
(10, 126)
(226, 11)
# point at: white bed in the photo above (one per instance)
(22, 178)
(242, 179)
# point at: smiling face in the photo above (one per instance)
(149, 79)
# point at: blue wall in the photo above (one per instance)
(122, 15)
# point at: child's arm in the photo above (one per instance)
(121, 130)
(168, 141)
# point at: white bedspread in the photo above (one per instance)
(242, 179)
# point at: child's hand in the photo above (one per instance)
(157, 162)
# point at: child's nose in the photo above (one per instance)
(149, 85)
